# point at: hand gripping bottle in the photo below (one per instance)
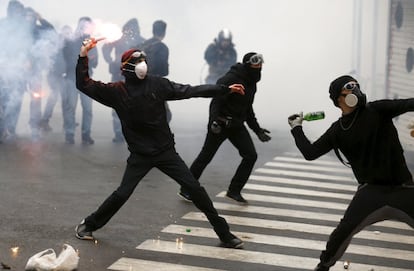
(318, 115)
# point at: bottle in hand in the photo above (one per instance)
(318, 115)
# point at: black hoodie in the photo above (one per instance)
(238, 107)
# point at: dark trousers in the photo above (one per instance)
(370, 204)
(170, 163)
(240, 138)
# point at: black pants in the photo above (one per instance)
(171, 164)
(370, 204)
(240, 138)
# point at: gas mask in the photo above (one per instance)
(356, 98)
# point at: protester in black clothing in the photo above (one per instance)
(369, 143)
(157, 54)
(220, 55)
(228, 112)
(131, 36)
(140, 104)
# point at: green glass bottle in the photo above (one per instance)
(318, 115)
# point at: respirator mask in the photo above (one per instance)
(140, 69)
(356, 98)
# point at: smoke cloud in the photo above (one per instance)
(305, 44)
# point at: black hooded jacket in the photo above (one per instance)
(238, 107)
(368, 139)
(140, 105)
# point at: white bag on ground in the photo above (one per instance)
(46, 260)
(41, 261)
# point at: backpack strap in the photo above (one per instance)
(338, 154)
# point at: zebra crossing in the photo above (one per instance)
(294, 205)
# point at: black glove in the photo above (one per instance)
(262, 134)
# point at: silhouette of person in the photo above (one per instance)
(131, 37)
(70, 95)
(220, 55)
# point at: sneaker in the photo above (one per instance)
(237, 197)
(185, 196)
(232, 242)
(82, 232)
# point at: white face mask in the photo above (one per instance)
(141, 70)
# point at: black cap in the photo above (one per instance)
(336, 87)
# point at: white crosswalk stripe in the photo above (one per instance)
(293, 207)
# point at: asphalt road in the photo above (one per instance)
(47, 187)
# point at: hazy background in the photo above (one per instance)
(306, 44)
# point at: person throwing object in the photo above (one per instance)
(139, 102)
(369, 143)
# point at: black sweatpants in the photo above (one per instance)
(172, 165)
(241, 140)
(370, 204)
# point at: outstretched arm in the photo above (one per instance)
(179, 91)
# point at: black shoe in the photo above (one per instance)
(87, 140)
(70, 139)
(118, 139)
(44, 125)
(82, 232)
(236, 196)
(320, 267)
(232, 242)
(185, 196)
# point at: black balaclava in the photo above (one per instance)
(254, 73)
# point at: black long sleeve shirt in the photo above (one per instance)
(368, 139)
(140, 105)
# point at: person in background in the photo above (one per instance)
(369, 143)
(56, 78)
(228, 113)
(139, 102)
(220, 56)
(157, 54)
(69, 95)
(44, 37)
(131, 37)
(14, 66)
